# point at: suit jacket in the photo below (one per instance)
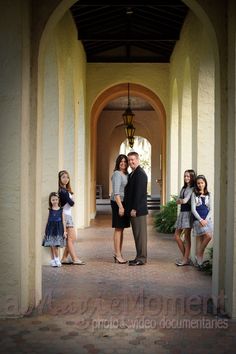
(136, 192)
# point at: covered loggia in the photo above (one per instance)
(187, 112)
(194, 82)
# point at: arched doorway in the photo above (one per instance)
(110, 94)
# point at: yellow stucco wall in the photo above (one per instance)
(230, 283)
(102, 76)
(192, 79)
(14, 143)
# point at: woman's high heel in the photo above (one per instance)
(117, 260)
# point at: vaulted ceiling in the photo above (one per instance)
(129, 31)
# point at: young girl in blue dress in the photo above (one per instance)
(184, 220)
(201, 205)
(55, 232)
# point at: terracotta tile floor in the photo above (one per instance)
(104, 307)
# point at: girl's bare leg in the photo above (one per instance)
(179, 241)
(70, 249)
(52, 252)
(205, 239)
(187, 244)
(198, 248)
(65, 253)
(55, 250)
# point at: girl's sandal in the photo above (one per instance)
(78, 262)
(65, 261)
(182, 263)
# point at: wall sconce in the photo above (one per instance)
(128, 116)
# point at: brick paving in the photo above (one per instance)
(110, 308)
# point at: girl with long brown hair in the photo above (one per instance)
(67, 202)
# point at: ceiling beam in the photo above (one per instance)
(128, 3)
(131, 59)
(125, 37)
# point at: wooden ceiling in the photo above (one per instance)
(129, 31)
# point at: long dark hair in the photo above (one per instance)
(60, 185)
(118, 161)
(53, 194)
(192, 178)
(196, 190)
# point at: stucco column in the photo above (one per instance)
(14, 146)
(230, 269)
(50, 134)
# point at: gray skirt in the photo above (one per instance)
(184, 220)
(199, 230)
(68, 220)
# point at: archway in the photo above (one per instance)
(108, 95)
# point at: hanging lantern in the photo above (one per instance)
(128, 116)
(129, 130)
(131, 141)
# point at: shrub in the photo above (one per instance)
(165, 219)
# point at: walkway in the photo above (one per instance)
(104, 307)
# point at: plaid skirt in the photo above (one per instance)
(68, 220)
(199, 230)
(184, 220)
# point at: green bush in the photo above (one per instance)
(165, 219)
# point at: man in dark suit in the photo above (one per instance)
(135, 202)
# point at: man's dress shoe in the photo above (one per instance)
(136, 263)
(132, 261)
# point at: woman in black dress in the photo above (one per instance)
(119, 219)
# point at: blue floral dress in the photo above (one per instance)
(54, 232)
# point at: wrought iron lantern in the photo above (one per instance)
(128, 116)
